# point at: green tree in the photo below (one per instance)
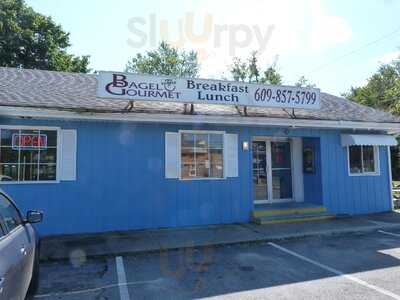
(31, 40)
(254, 72)
(239, 69)
(271, 76)
(304, 82)
(250, 71)
(165, 60)
(382, 91)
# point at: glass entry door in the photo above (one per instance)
(260, 171)
(272, 171)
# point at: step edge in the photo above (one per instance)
(291, 211)
(294, 220)
(294, 216)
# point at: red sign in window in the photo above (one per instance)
(29, 141)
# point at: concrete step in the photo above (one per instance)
(292, 218)
(262, 212)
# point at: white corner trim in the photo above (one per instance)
(390, 177)
(195, 119)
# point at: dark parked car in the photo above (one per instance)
(19, 251)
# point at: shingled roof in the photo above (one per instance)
(77, 92)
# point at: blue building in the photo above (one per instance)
(94, 164)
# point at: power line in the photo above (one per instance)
(354, 51)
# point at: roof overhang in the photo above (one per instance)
(40, 113)
(367, 140)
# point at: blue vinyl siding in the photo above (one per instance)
(352, 194)
(313, 181)
(121, 184)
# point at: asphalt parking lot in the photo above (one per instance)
(353, 266)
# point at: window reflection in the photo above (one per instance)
(362, 159)
(201, 155)
(28, 155)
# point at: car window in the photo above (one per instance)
(9, 214)
(2, 232)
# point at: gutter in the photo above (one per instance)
(35, 113)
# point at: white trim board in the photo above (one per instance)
(195, 119)
(389, 159)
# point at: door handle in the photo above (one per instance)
(23, 250)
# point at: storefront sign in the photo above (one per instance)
(125, 86)
(29, 141)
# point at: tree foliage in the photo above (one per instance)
(250, 71)
(271, 76)
(304, 82)
(239, 69)
(31, 40)
(254, 72)
(165, 60)
(382, 90)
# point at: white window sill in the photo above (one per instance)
(363, 174)
(29, 182)
(201, 179)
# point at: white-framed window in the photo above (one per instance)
(28, 154)
(363, 160)
(201, 155)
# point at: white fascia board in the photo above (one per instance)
(391, 128)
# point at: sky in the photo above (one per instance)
(335, 44)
